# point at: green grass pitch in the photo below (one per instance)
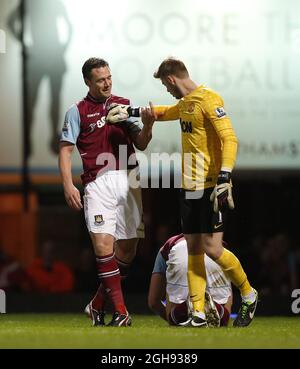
(150, 332)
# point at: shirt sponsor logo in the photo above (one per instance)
(92, 127)
(220, 112)
(186, 127)
(100, 123)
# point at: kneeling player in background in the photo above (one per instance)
(169, 282)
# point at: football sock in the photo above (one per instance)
(98, 301)
(250, 297)
(197, 283)
(199, 314)
(109, 276)
(232, 267)
(225, 318)
(220, 309)
(178, 314)
(224, 314)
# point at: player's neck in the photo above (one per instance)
(99, 99)
(187, 86)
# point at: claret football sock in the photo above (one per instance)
(98, 301)
(179, 314)
(109, 276)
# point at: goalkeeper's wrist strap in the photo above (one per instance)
(133, 111)
(224, 177)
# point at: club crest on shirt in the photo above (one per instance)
(220, 112)
(190, 107)
(98, 220)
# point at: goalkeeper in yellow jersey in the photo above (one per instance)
(209, 147)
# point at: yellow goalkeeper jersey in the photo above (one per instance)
(208, 140)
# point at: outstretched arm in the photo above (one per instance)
(166, 112)
(119, 113)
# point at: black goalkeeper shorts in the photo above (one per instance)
(197, 214)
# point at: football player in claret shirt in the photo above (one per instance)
(209, 147)
(169, 294)
(113, 208)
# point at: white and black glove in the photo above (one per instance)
(222, 193)
(118, 113)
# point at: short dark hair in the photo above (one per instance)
(171, 66)
(92, 63)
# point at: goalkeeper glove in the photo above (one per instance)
(118, 113)
(222, 193)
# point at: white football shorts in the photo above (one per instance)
(114, 207)
(217, 284)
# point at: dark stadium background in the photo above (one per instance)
(267, 209)
(263, 230)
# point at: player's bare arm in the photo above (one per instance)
(72, 194)
(157, 293)
(148, 116)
